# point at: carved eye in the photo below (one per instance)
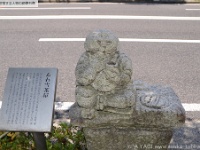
(111, 63)
(99, 42)
(109, 42)
(92, 52)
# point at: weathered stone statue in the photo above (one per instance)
(115, 112)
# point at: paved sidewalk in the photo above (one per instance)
(187, 137)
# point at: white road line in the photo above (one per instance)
(193, 9)
(67, 105)
(61, 39)
(159, 40)
(193, 4)
(172, 18)
(95, 3)
(191, 107)
(122, 40)
(82, 3)
(63, 105)
(52, 8)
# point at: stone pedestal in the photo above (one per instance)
(127, 138)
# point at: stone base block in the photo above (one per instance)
(127, 138)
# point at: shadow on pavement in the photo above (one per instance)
(187, 137)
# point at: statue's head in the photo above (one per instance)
(101, 40)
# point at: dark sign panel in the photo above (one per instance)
(28, 100)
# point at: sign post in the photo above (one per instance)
(40, 140)
(28, 102)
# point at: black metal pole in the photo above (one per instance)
(40, 141)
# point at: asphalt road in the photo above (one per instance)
(174, 64)
(160, 62)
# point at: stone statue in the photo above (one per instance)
(107, 98)
(103, 76)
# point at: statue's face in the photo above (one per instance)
(101, 41)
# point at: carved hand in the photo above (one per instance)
(112, 72)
